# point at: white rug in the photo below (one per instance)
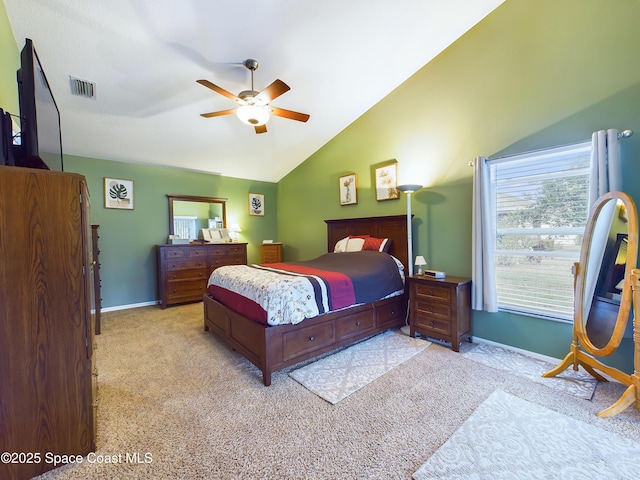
(339, 375)
(507, 437)
(578, 383)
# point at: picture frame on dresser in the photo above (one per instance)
(118, 193)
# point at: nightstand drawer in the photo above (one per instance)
(435, 310)
(430, 324)
(431, 292)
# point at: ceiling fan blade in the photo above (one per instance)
(218, 89)
(281, 112)
(261, 128)
(218, 114)
(273, 91)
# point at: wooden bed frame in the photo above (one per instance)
(272, 348)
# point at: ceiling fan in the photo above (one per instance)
(254, 107)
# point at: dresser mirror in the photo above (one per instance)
(188, 214)
(603, 281)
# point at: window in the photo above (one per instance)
(539, 205)
(185, 226)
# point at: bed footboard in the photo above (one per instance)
(272, 348)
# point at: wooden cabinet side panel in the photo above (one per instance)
(46, 403)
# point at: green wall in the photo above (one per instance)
(10, 56)
(530, 75)
(128, 237)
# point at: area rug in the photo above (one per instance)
(507, 437)
(339, 375)
(578, 383)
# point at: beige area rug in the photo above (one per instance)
(507, 437)
(339, 375)
(578, 383)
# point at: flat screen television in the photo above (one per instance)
(40, 139)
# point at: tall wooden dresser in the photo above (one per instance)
(47, 390)
(183, 270)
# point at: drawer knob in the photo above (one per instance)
(431, 324)
(430, 309)
(357, 324)
(430, 292)
(312, 338)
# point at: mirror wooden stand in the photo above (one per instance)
(598, 331)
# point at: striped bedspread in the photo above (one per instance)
(287, 293)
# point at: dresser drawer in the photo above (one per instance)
(307, 339)
(185, 252)
(187, 274)
(432, 292)
(236, 250)
(217, 250)
(191, 263)
(187, 290)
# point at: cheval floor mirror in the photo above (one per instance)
(606, 283)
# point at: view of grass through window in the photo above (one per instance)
(540, 212)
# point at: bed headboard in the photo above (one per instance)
(393, 227)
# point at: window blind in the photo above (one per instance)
(540, 209)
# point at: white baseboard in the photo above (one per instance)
(528, 353)
(126, 307)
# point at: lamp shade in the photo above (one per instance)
(235, 228)
(253, 114)
(410, 188)
(420, 261)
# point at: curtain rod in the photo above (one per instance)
(624, 134)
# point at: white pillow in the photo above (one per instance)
(341, 245)
(354, 244)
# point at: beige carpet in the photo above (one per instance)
(506, 435)
(578, 383)
(339, 375)
(199, 409)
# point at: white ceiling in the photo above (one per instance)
(340, 57)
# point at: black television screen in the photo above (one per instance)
(40, 134)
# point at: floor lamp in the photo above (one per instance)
(409, 189)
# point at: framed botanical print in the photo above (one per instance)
(386, 182)
(256, 204)
(118, 193)
(348, 189)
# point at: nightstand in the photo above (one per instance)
(271, 253)
(440, 308)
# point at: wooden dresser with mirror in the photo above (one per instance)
(184, 269)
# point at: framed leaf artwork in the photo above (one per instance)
(386, 182)
(118, 193)
(256, 204)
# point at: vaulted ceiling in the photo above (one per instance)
(339, 58)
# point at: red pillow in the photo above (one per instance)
(372, 243)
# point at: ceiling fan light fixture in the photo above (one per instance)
(253, 115)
